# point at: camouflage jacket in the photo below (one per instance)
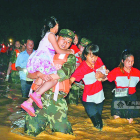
(67, 68)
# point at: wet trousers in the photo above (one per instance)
(53, 114)
(94, 111)
(93, 108)
(25, 88)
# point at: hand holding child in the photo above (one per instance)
(58, 66)
(44, 76)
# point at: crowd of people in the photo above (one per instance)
(50, 76)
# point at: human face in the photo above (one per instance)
(91, 59)
(128, 63)
(30, 45)
(17, 44)
(75, 40)
(64, 42)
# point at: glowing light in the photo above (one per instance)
(25, 70)
(10, 40)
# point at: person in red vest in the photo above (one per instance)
(76, 50)
(3, 56)
(74, 45)
(126, 77)
(93, 95)
(4, 48)
(11, 68)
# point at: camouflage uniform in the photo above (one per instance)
(14, 74)
(84, 42)
(76, 91)
(54, 113)
(74, 95)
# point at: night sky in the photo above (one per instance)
(108, 23)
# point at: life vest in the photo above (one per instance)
(64, 85)
(13, 66)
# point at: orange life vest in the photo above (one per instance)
(13, 67)
(64, 85)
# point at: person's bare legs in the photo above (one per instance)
(36, 96)
(46, 86)
(38, 81)
(116, 117)
(29, 100)
(130, 120)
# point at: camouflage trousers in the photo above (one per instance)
(54, 114)
(74, 95)
(15, 77)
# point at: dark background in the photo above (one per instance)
(114, 25)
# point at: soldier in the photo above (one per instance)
(53, 112)
(14, 73)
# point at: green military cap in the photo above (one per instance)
(84, 42)
(67, 33)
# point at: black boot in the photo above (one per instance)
(97, 121)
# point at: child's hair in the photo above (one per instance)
(90, 48)
(126, 53)
(49, 23)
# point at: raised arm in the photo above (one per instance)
(53, 41)
(72, 79)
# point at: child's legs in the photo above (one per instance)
(38, 81)
(46, 86)
(29, 100)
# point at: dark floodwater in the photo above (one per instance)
(11, 129)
